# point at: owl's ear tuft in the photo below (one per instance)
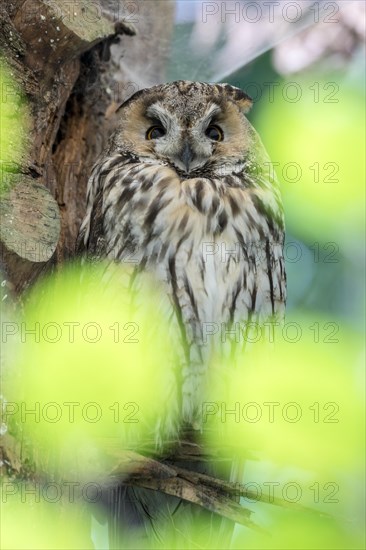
(131, 98)
(242, 99)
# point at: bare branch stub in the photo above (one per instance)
(29, 230)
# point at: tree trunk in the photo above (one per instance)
(75, 62)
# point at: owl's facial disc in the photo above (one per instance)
(187, 145)
(193, 127)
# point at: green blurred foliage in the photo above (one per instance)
(95, 369)
(317, 145)
(14, 125)
(302, 531)
(296, 401)
(31, 523)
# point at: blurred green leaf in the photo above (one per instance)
(31, 519)
(14, 125)
(317, 145)
(92, 365)
(297, 401)
(294, 531)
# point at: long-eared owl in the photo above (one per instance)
(186, 191)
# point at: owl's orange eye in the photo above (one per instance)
(155, 132)
(215, 133)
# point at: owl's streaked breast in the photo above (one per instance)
(202, 236)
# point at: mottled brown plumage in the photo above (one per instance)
(185, 190)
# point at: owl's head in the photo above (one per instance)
(189, 125)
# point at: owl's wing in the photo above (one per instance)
(269, 259)
(91, 238)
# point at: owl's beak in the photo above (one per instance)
(187, 155)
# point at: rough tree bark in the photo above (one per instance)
(75, 61)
